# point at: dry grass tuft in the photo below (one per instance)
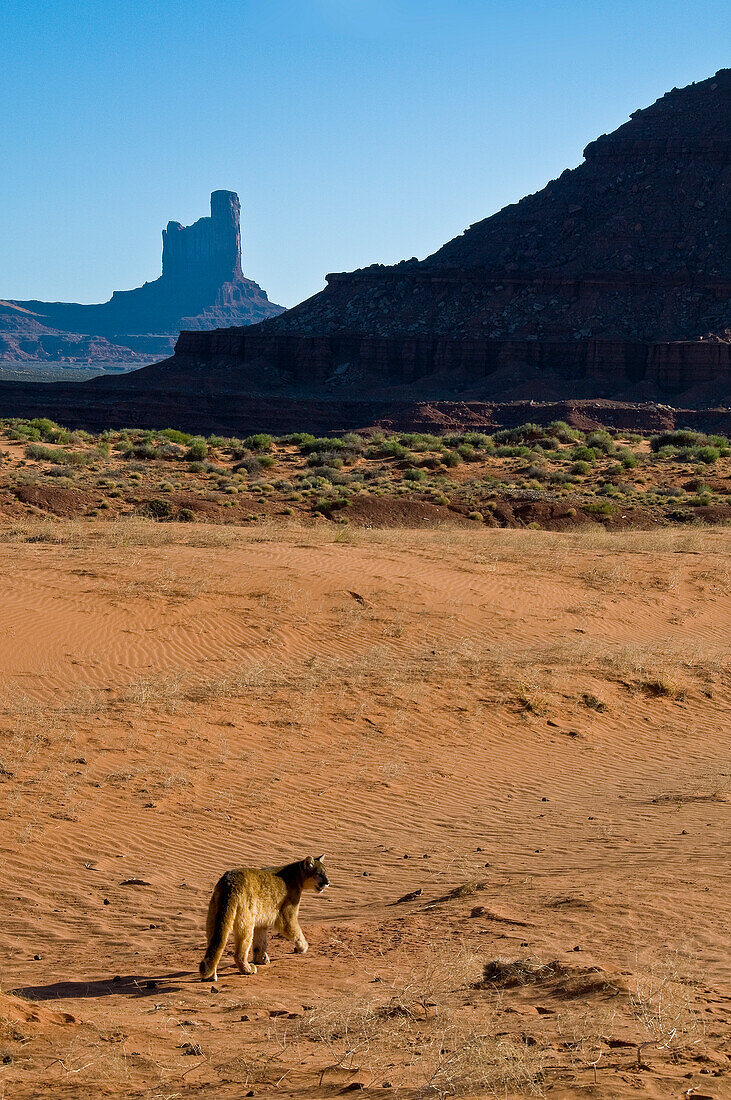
(414, 1034)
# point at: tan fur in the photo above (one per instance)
(251, 902)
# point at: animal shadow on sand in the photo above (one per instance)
(128, 985)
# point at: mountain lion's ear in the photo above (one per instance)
(309, 862)
(320, 859)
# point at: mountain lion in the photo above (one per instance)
(251, 902)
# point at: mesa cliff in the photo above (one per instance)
(614, 280)
(202, 286)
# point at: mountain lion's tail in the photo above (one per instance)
(221, 913)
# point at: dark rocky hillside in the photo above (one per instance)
(635, 243)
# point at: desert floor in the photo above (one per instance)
(526, 730)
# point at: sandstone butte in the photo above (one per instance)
(603, 298)
(202, 286)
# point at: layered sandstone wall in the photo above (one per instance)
(257, 360)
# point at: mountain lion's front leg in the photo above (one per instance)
(291, 929)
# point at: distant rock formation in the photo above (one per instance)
(615, 279)
(202, 286)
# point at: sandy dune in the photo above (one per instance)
(527, 726)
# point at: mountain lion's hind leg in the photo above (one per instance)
(260, 947)
(244, 935)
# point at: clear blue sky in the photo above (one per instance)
(354, 131)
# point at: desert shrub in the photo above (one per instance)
(600, 441)
(332, 474)
(708, 454)
(628, 458)
(452, 459)
(680, 515)
(476, 516)
(583, 454)
(40, 453)
(414, 475)
(681, 438)
(159, 509)
(330, 504)
(197, 450)
(418, 441)
(174, 436)
(144, 449)
(299, 439)
(169, 452)
(50, 431)
(580, 467)
(600, 508)
(524, 433)
(559, 429)
(325, 458)
(186, 515)
(259, 442)
(391, 448)
(478, 440)
(512, 451)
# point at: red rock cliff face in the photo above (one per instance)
(617, 273)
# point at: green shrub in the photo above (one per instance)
(580, 467)
(708, 454)
(524, 433)
(159, 509)
(682, 438)
(40, 453)
(174, 436)
(198, 450)
(332, 474)
(324, 458)
(330, 504)
(559, 429)
(299, 439)
(583, 454)
(391, 448)
(600, 508)
(259, 442)
(600, 441)
(506, 451)
(628, 458)
(414, 475)
(417, 441)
